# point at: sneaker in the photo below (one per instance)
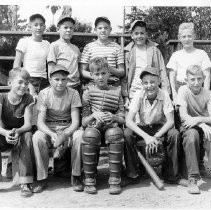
(183, 182)
(77, 184)
(115, 189)
(41, 185)
(192, 186)
(25, 190)
(90, 189)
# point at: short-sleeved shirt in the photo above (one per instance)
(180, 60)
(111, 51)
(151, 114)
(197, 105)
(67, 55)
(13, 115)
(35, 56)
(58, 108)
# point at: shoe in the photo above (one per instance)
(115, 189)
(40, 187)
(77, 184)
(90, 189)
(192, 186)
(183, 182)
(26, 190)
(130, 181)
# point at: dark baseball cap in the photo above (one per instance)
(150, 70)
(59, 67)
(137, 23)
(64, 18)
(104, 19)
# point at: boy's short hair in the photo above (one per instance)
(35, 16)
(19, 72)
(138, 23)
(193, 70)
(64, 18)
(99, 62)
(184, 26)
(102, 19)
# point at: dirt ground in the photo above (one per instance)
(144, 195)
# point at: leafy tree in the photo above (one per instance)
(54, 9)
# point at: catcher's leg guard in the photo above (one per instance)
(90, 149)
(114, 137)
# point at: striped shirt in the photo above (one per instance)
(111, 51)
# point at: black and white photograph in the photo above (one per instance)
(105, 104)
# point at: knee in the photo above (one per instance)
(27, 137)
(38, 139)
(114, 135)
(91, 136)
(190, 136)
(173, 136)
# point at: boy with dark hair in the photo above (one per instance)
(155, 111)
(33, 51)
(15, 125)
(103, 47)
(139, 53)
(103, 114)
(58, 121)
(64, 53)
(194, 103)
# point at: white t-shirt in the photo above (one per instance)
(35, 56)
(141, 63)
(180, 60)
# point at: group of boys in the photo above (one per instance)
(110, 89)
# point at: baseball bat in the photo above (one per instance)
(159, 184)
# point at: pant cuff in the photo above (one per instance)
(26, 179)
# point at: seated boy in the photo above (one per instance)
(195, 112)
(103, 113)
(155, 110)
(58, 119)
(15, 125)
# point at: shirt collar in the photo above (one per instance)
(159, 96)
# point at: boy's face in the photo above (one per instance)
(37, 27)
(19, 85)
(139, 36)
(187, 37)
(100, 77)
(58, 81)
(66, 30)
(103, 30)
(151, 85)
(195, 82)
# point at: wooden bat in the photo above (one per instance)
(159, 184)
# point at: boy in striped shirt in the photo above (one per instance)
(103, 47)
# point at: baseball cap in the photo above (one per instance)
(137, 23)
(64, 18)
(105, 19)
(59, 67)
(150, 70)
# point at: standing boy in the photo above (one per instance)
(64, 53)
(194, 103)
(155, 111)
(103, 47)
(33, 51)
(188, 55)
(58, 119)
(139, 53)
(103, 114)
(15, 125)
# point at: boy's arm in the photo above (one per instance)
(172, 78)
(83, 68)
(18, 59)
(207, 78)
(3, 131)
(119, 71)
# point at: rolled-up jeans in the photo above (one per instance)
(171, 143)
(25, 156)
(41, 150)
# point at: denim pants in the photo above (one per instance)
(171, 143)
(25, 157)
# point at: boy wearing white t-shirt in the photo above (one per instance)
(33, 52)
(189, 55)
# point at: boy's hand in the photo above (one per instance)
(191, 122)
(11, 136)
(207, 131)
(109, 117)
(53, 138)
(127, 103)
(99, 116)
(152, 144)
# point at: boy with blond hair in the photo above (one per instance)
(15, 125)
(188, 55)
(194, 103)
(33, 51)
